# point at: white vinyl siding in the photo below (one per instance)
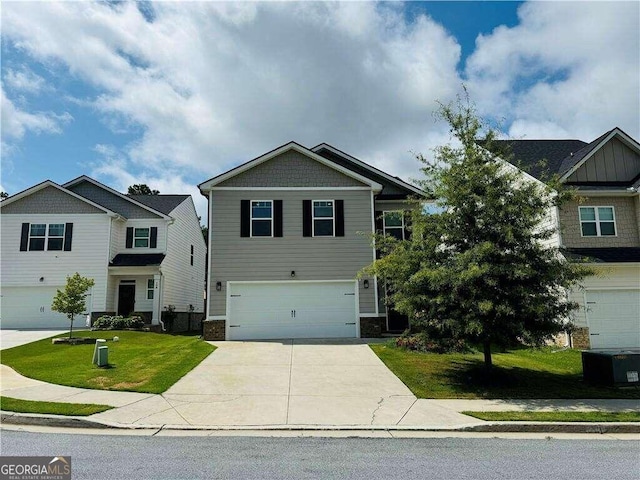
(88, 256)
(142, 225)
(183, 283)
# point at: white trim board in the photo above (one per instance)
(215, 189)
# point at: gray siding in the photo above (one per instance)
(626, 223)
(112, 202)
(254, 259)
(614, 162)
(291, 169)
(49, 200)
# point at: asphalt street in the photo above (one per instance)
(133, 457)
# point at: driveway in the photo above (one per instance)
(290, 382)
(13, 338)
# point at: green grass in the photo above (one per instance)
(557, 416)
(139, 362)
(518, 373)
(54, 408)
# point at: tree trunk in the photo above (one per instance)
(487, 356)
(71, 329)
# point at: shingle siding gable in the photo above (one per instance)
(49, 200)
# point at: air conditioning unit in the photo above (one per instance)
(611, 367)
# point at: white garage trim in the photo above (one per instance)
(230, 284)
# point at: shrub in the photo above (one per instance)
(118, 322)
(422, 342)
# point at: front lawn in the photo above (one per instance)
(518, 373)
(556, 416)
(139, 362)
(54, 408)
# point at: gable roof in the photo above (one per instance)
(84, 178)
(49, 183)
(563, 157)
(368, 170)
(161, 203)
(212, 182)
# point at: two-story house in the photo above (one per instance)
(601, 227)
(143, 253)
(289, 233)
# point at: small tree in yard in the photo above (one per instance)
(479, 270)
(71, 300)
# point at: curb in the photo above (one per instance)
(497, 427)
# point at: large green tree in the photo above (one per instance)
(141, 189)
(482, 268)
(71, 301)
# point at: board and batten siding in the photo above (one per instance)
(613, 162)
(617, 277)
(183, 282)
(88, 255)
(234, 258)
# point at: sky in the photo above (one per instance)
(172, 94)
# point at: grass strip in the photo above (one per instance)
(556, 416)
(9, 404)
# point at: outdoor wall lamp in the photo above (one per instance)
(218, 286)
(293, 273)
(366, 283)
(42, 279)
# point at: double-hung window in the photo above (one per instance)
(323, 218)
(46, 237)
(394, 224)
(150, 284)
(262, 218)
(597, 221)
(141, 237)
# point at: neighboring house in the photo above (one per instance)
(601, 227)
(143, 252)
(289, 232)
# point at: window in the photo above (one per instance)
(191, 254)
(150, 284)
(323, 218)
(41, 236)
(141, 237)
(597, 221)
(393, 223)
(261, 218)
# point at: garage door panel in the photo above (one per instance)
(292, 310)
(30, 307)
(614, 318)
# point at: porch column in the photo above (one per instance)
(157, 309)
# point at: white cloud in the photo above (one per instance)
(568, 69)
(15, 122)
(23, 80)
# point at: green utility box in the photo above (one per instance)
(103, 356)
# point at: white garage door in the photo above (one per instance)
(291, 310)
(30, 307)
(614, 318)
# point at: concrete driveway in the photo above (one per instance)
(13, 338)
(290, 382)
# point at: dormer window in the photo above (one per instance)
(597, 221)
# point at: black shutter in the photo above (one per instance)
(129, 237)
(153, 242)
(68, 236)
(24, 239)
(407, 223)
(306, 218)
(379, 223)
(339, 218)
(245, 218)
(277, 218)
(379, 228)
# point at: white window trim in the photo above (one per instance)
(597, 221)
(148, 237)
(332, 218)
(251, 219)
(384, 221)
(46, 237)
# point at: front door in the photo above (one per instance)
(396, 322)
(126, 299)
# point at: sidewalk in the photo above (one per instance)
(140, 410)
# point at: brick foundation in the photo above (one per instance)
(371, 327)
(213, 330)
(580, 338)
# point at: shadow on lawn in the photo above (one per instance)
(469, 376)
